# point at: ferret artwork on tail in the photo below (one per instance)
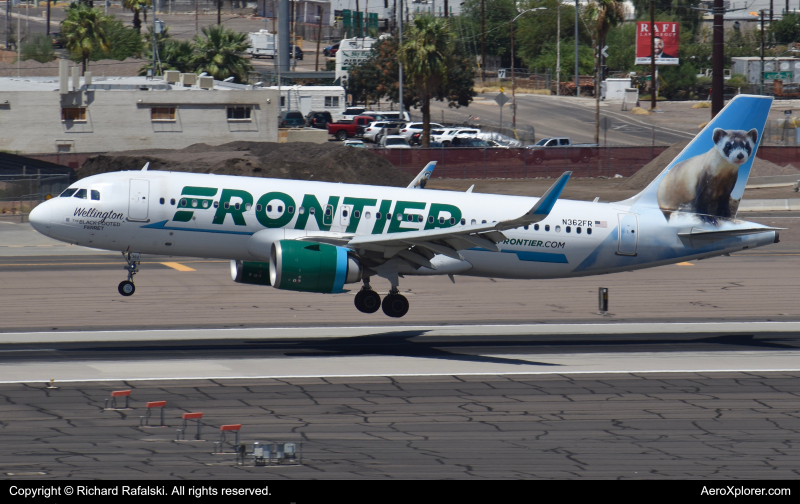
(703, 184)
(706, 181)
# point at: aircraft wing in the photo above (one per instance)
(419, 247)
(716, 234)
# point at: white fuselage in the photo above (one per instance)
(184, 214)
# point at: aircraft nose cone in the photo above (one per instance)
(41, 217)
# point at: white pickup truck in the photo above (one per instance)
(562, 148)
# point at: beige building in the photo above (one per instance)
(73, 114)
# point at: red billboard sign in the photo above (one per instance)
(666, 42)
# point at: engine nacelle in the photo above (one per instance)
(311, 267)
(250, 272)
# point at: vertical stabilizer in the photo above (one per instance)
(708, 177)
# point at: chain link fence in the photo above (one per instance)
(20, 193)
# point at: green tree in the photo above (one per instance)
(137, 6)
(39, 49)
(424, 55)
(173, 54)
(786, 30)
(123, 41)
(82, 31)
(497, 14)
(672, 10)
(219, 53)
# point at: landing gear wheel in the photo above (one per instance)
(395, 305)
(126, 288)
(368, 301)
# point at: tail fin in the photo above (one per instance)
(708, 177)
(422, 179)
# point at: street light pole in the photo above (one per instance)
(513, 81)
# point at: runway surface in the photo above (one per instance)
(692, 374)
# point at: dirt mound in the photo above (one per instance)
(300, 161)
(648, 172)
(640, 180)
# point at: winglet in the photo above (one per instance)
(422, 179)
(542, 207)
(146, 165)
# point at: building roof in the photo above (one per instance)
(109, 84)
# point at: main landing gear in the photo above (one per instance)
(126, 287)
(368, 301)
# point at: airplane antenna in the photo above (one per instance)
(471, 188)
(145, 166)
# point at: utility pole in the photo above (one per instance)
(48, 17)
(577, 77)
(762, 52)
(8, 3)
(219, 12)
(319, 35)
(399, 47)
(653, 55)
(558, 51)
(717, 63)
(483, 47)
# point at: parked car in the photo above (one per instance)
(562, 148)
(350, 113)
(344, 129)
(394, 142)
(331, 50)
(359, 144)
(57, 42)
(298, 53)
(374, 131)
(318, 120)
(416, 137)
(446, 136)
(499, 138)
(469, 142)
(410, 128)
(390, 115)
(291, 119)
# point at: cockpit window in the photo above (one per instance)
(80, 194)
(95, 195)
(67, 193)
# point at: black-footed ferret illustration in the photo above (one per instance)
(703, 184)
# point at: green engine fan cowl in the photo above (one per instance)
(250, 272)
(311, 267)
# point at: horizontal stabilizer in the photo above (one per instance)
(717, 234)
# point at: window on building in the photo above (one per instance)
(331, 101)
(239, 113)
(283, 101)
(162, 113)
(73, 114)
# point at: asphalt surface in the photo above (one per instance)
(400, 401)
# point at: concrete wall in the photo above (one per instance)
(118, 120)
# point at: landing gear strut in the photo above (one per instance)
(395, 304)
(126, 287)
(367, 300)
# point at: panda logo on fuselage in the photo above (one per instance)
(703, 184)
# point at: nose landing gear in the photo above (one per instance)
(126, 287)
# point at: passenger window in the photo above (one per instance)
(483, 221)
(280, 208)
(588, 230)
(569, 229)
(161, 200)
(247, 206)
(441, 220)
(400, 217)
(344, 213)
(367, 215)
(430, 219)
(525, 227)
(67, 193)
(547, 227)
(311, 211)
(536, 227)
(558, 229)
(377, 216)
(463, 221)
(290, 209)
(410, 218)
(96, 195)
(356, 214)
(80, 194)
(269, 208)
(258, 208)
(172, 202)
(205, 204)
(194, 204)
(578, 230)
(452, 221)
(388, 216)
(328, 211)
(237, 206)
(225, 206)
(216, 204)
(473, 222)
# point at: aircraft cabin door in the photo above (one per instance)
(139, 200)
(628, 234)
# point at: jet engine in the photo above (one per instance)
(311, 267)
(250, 272)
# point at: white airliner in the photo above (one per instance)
(319, 236)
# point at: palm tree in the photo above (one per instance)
(606, 13)
(82, 31)
(425, 55)
(219, 53)
(137, 6)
